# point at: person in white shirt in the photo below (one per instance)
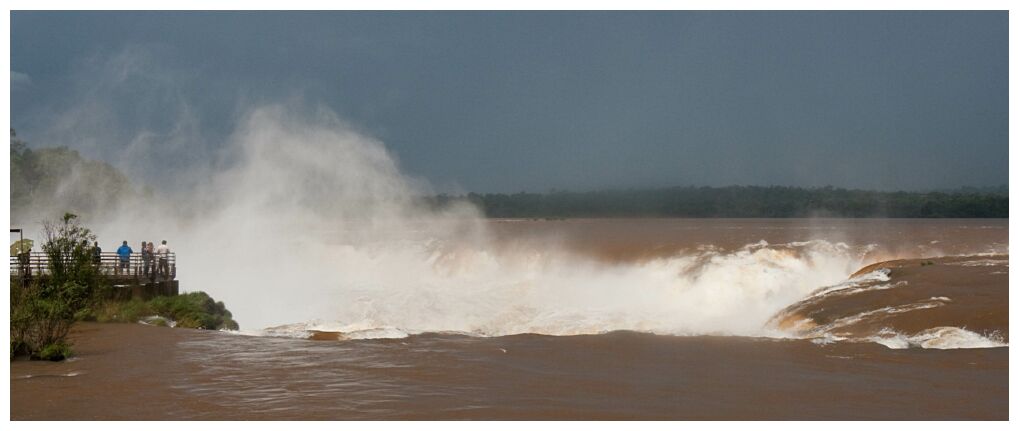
(163, 251)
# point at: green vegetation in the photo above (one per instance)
(739, 201)
(48, 179)
(55, 352)
(44, 308)
(190, 310)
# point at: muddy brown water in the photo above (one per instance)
(960, 292)
(637, 239)
(131, 371)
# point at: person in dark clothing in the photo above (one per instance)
(145, 259)
(148, 257)
(97, 255)
(25, 262)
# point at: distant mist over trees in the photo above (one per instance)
(58, 180)
(51, 181)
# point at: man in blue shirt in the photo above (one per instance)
(125, 255)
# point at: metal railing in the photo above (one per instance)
(156, 268)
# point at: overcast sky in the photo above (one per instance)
(533, 101)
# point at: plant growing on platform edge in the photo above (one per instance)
(44, 307)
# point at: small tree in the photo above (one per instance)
(43, 311)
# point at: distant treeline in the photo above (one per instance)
(740, 201)
(59, 178)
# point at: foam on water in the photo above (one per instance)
(981, 262)
(346, 332)
(860, 283)
(793, 321)
(943, 337)
(154, 320)
(488, 294)
(483, 293)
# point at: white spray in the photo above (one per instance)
(309, 222)
(306, 222)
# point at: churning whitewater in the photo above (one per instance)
(480, 292)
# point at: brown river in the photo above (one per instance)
(593, 319)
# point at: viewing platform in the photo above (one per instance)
(136, 280)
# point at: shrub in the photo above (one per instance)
(191, 310)
(123, 311)
(194, 310)
(44, 308)
(54, 352)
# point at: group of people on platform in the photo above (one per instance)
(150, 256)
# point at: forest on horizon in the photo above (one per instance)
(741, 202)
(62, 177)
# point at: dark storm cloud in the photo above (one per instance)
(532, 101)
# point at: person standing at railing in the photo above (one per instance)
(125, 257)
(25, 262)
(148, 258)
(164, 259)
(97, 255)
